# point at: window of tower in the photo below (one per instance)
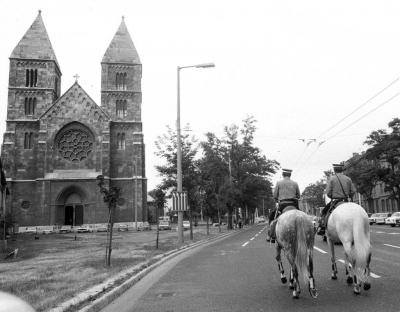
(121, 141)
(28, 140)
(31, 78)
(30, 106)
(121, 81)
(121, 108)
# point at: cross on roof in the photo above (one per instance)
(76, 77)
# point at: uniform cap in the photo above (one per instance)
(338, 166)
(289, 171)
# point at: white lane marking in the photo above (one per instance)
(256, 235)
(252, 238)
(341, 260)
(394, 233)
(373, 275)
(394, 246)
(245, 244)
(320, 250)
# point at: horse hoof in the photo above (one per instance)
(367, 286)
(349, 280)
(313, 292)
(295, 295)
(291, 286)
(356, 290)
(334, 277)
(283, 280)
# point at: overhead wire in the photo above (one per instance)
(359, 107)
(320, 142)
(363, 116)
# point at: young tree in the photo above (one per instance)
(167, 149)
(159, 200)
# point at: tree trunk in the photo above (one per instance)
(208, 227)
(157, 231)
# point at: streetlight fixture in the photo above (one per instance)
(179, 146)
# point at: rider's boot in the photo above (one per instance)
(321, 226)
(271, 235)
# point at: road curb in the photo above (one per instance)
(101, 295)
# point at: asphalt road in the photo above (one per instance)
(240, 273)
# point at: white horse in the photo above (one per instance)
(348, 224)
(295, 235)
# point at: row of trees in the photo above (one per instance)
(378, 164)
(220, 174)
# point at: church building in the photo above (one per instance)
(56, 145)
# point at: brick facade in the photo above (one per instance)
(56, 145)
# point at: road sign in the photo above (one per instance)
(179, 201)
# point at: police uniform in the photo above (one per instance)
(286, 193)
(339, 188)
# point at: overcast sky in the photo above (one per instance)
(297, 66)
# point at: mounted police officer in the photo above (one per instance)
(286, 193)
(339, 189)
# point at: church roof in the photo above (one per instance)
(121, 48)
(35, 44)
(75, 96)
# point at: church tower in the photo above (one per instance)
(34, 85)
(121, 98)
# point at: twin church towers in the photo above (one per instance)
(55, 144)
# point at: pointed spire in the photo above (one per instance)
(35, 44)
(121, 48)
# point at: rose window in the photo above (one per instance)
(75, 144)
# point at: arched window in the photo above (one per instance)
(26, 106)
(27, 78)
(125, 112)
(124, 81)
(117, 81)
(28, 140)
(30, 106)
(33, 106)
(36, 78)
(121, 141)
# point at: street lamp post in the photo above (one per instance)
(179, 146)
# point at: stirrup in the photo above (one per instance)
(321, 231)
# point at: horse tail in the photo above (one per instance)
(362, 246)
(303, 246)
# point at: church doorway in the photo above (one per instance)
(71, 205)
(73, 214)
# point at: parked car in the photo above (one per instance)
(378, 218)
(123, 227)
(65, 229)
(83, 229)
(102, 228)
(186, 225)
(145, 226)
(164, 225)
(30, 230)
(47, 231)
(394, 219)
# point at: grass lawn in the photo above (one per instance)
(55, 267)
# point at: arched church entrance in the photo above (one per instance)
(71, 201)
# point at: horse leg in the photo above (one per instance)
(367, 284)
(280, 265)
(333, 260)
(296, 290)
(356, 282)
(349, 278)
(291, 279)
(311, 282)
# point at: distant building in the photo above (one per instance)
(55, 145)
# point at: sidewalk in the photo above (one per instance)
(50, 271)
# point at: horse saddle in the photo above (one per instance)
(335, 203)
